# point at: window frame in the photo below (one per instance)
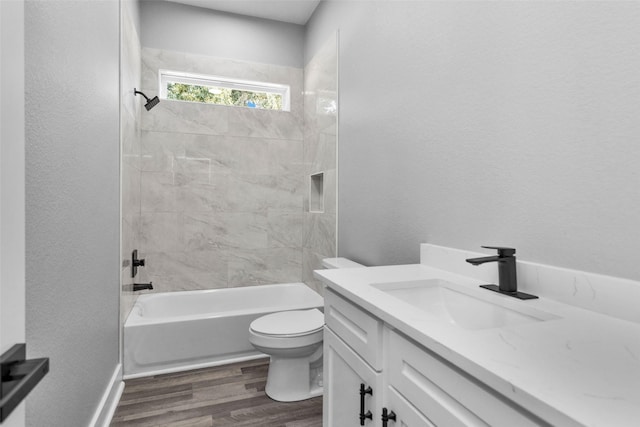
(169, 76)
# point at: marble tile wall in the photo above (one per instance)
(221, 188)
(130, 113)
(320, 148)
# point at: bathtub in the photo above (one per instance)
(175, 331)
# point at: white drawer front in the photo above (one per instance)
(360, 330)
(444, 394)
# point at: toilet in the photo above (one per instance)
(293, 340)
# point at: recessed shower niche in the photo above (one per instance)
(316, 193)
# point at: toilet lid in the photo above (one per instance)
(297, 322)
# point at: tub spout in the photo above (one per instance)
(142, 286)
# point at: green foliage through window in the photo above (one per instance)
(224, 96)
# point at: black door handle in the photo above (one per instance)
(368, 414)
(19, 377)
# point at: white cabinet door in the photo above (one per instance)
(344, 375)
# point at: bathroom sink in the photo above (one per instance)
(462, 307)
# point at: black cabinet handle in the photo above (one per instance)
(368, 414)
(387, 416)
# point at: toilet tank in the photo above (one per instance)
(340, 262)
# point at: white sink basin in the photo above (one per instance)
(467, 309)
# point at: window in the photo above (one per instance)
(223, 91)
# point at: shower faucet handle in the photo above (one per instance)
(135, 263)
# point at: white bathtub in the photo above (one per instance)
(175, 331)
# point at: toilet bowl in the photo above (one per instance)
(293, 340)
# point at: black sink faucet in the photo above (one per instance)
(507, 280)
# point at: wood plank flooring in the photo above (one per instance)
(230, 395)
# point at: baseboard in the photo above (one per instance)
(109, 402)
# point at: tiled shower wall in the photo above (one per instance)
(222, 188)
(130, 113)
(320, 148)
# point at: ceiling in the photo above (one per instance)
(292, 11)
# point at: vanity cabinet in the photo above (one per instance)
(354, 381)
(355, 389)
(414, 386)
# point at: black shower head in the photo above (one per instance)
(150, 102)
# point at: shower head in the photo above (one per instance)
(150, 102)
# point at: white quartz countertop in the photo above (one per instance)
(580, 369)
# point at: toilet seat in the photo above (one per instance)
(284, 324)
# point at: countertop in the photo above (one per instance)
(579, 369)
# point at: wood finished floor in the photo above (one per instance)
(230, 395)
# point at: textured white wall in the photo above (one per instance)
(72, 204)
(12, 245)
(182, 28)
(11, 175)
(470, 123)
